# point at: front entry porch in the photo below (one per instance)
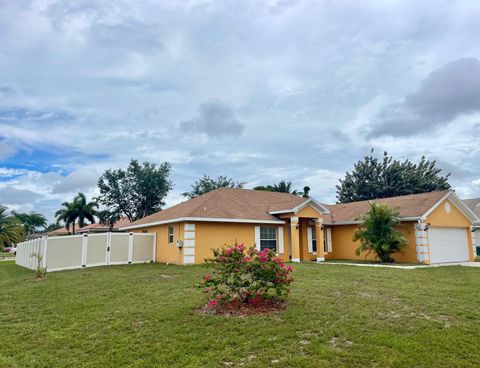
(306, 236)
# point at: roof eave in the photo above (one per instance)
(356, 222)
(203, 219)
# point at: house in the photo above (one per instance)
(91, 228)
(437, 225)
(474, 205)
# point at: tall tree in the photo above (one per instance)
(136, 192)
(207, 184)
(31, 221)
(282, 187)
(380, 178)
(77, 211)
(11, 230)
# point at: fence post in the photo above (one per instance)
(154, 247)
(130, 248)
(84, 250)
(44, 259)
(109, 243)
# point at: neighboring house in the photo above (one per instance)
(437, 226)
(474, 205)
(91, 228)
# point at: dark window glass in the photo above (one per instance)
(314, 240)
(268, 238)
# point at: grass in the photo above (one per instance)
(6, 255)
(144, 316)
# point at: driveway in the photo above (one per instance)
(468, 264)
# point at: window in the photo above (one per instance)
(314, 240)
(268, 238)
(170, 234)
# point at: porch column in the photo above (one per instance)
(319, 237)
(295, 238)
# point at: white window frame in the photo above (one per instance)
(311, 238)
(268, 239)
(171, 235)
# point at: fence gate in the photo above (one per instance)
(87, 250)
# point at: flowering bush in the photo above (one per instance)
(243, 276)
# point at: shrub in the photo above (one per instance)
(40, 271)
(377, 233)
(243, 277)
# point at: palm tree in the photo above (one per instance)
(31, 221)
(378, 233)
(282, 187)
(11, 231)
(77, 211)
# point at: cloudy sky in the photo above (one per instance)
(258, 91)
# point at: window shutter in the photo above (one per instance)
(280, 240)
(329, 239)
(257, 237)
(309, 237)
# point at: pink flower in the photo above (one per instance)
(207, 277)
(263, 257)
(289, 268)
(246, 259)
(221, 259)
(212, 304)
(229, 251)
(241, 247)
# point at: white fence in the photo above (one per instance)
(87, 250)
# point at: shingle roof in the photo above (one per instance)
(247, 204)
(473, 204)
(228, 203)
(124, 221)
(413, 205)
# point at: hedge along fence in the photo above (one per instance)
(87, 250)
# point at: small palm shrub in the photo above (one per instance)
(40, 271)
(377, 233)
(246, 277)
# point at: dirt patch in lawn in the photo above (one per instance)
(244, 310)
(37, 278)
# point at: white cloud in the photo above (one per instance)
(76, 181)
(13, 196)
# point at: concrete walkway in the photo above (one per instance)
(405, 267)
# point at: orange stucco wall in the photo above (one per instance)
(308, 211)
(211, 235)
(165, 252)
(442, 218)
(343, 246)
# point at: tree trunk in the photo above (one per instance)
(73, 233)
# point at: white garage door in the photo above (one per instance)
(448, 244)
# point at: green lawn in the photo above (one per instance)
(144, 316)
(6, 255)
